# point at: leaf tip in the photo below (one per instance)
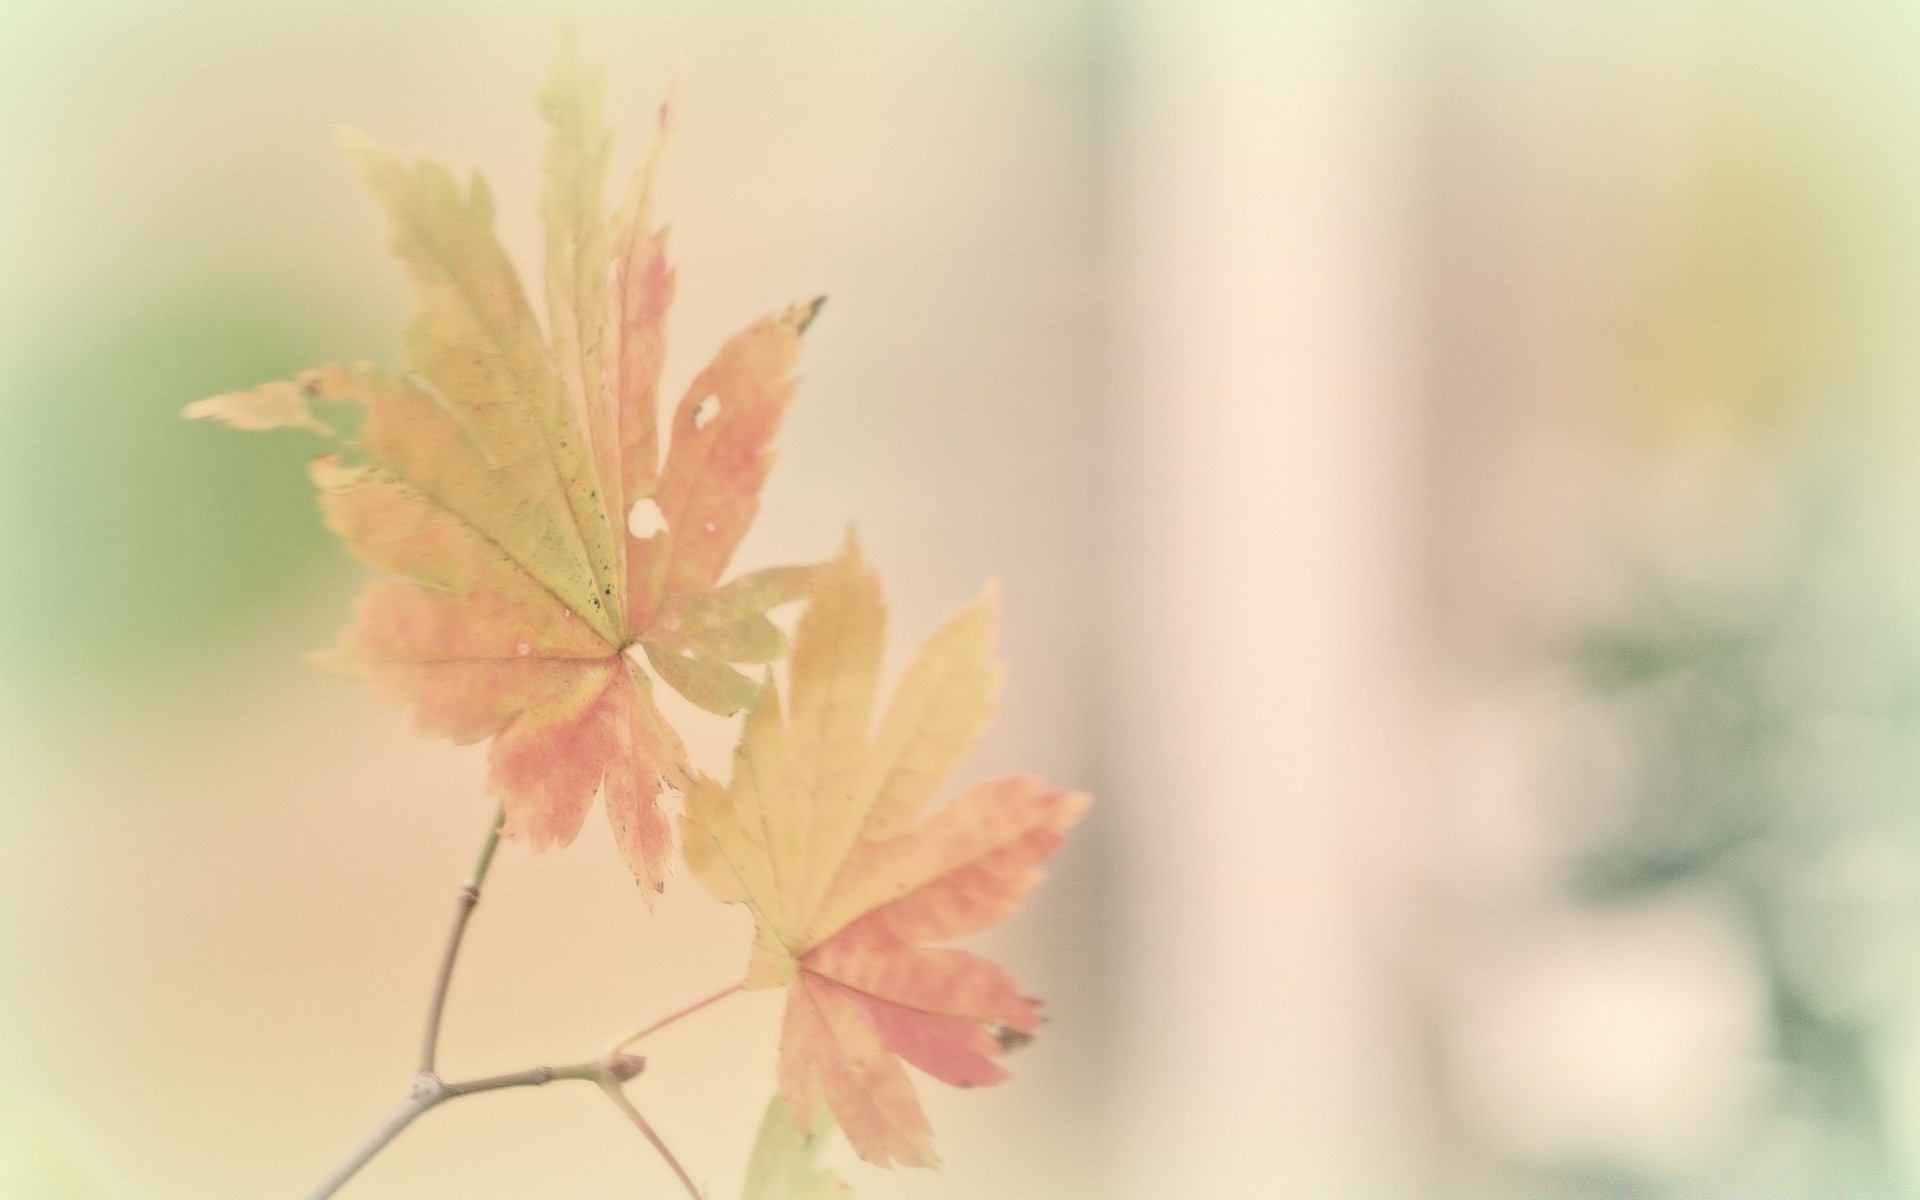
(276, 405)
(331, 475)
(574, 78)
(566, 30)
(668, 115)
(804, 314)
(850, 545)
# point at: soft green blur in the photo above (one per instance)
(42, 1157)
(1720, 249)
(130, 535)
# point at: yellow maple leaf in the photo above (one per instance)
(818, 834)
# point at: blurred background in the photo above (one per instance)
(1452, 465)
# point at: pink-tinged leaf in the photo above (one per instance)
(722, 443)
(565, 711)
(958, 1051)
(401, 623)
(637, 327)
(497, 473)
(841, 918)
(648, 757)
(871, 959)
(549, 760)
(968, 867)
(830, 1050)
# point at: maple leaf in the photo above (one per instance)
(511, 484)
(784, 1163)
(816, 834)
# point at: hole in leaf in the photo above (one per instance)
(705, 411)
(645, 519)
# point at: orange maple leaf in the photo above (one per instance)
(511, 482)
(816, 834)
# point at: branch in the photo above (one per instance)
(610, 1070)
(418, 1100)
(429, 1091)
(469, 896)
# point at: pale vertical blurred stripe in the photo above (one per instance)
(1261, 562)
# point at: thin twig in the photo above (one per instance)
(469, 896)
(663, 1022)
(620, 1101)
(429, 1091)
(615, 1068)
(427, 1088)
(418, 1100)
